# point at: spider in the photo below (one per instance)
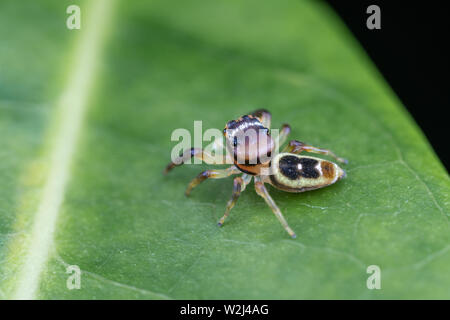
(254, 156)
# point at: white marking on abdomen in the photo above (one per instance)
(336, 174)
(319, 168)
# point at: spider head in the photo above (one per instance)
(248, 141)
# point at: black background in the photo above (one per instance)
(278, 309)
(411, 51)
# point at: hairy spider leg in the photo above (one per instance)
(211, 174)
(190, 153)
(262, 191)
(297, 147)
(283, 135)
(263, 116)
(239, 185)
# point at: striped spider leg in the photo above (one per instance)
(262, 192)
(239, 185)
(297, 147)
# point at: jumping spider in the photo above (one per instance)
(253, 156)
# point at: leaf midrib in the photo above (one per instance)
(70, 111)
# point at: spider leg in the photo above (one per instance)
(187, 155)
(263, 116)
(239, 185)
(262, 191)
(295, 146)
(283, 134)
(211, 174)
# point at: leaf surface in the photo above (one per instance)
(145, 69)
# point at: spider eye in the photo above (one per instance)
(224, 130)
(235, 141)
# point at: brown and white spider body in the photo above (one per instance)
(253, 151)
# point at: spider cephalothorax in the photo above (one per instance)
(252, 147)
(250, 144)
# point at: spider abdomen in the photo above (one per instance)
(295, 173)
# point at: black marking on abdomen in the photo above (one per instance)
(289, 168)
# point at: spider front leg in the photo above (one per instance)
(187, 155)
(239, 185)
(263, 116)
(211, 174)
(262, 191)
(295, 146)
(284, 133)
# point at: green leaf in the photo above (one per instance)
(86, 118)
